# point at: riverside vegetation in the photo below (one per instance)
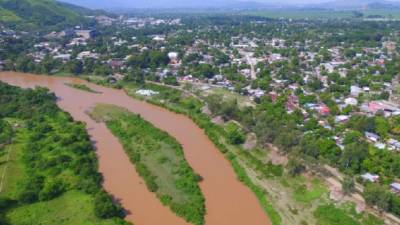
(249, 166)
(49, 166)
(81, 87)
(159, 159)
(174, 100)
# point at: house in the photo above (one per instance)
(329, 67)
(355, 91)
(342, 119)
(146, 92)
(85, 34)
(389, 45)
(219, 77)
(104, 20)
(118, 76)
(371, 136)
(66, 33)
(258, 93)
(62, 34)
(275, 57)
(63, 57)
(188, 78)
(246, 72)
(292, 103)
(120, 42)
(351, 101)
(173, 57)
(395, 187)
(273, 95)
(380, 145)
(370, 177)
(393, 144)
(323, 110)
(115, 63)
(87, 54)
(384, 106)
(159, 38)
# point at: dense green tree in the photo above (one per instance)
(235, 134)
(348, 185)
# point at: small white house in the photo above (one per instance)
(371, 136)
(341, 118)
(173, 55)
(351, 101)
(158, 38)
(63, 57)
(370, 177)
(395, 187)
(393, 144)
(355, 91)
(380, 145)
(146, 92)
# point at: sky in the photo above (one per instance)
(190, 3)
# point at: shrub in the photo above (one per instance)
(51, 190)
(234, 134)
(104, 206)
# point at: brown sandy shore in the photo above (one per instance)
(228, 202)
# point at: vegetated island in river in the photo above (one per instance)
(159, 159)
(82, 87)
(48, 165)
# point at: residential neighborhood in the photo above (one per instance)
(309, 109)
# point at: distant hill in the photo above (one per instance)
(360, 4)
(109, 4)
(37, 13)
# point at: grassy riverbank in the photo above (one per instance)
(47, 164)
(159, 159)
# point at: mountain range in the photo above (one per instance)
(36, 13)
(358, 4)
(326, 4)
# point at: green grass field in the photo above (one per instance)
(11, 170)
(307, 193)
(72, 208)
(330, 215)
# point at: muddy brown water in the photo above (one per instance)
(228, 202)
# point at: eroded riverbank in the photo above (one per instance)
(227, 200)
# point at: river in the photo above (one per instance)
(228, 202)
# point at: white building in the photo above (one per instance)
(341, 118)
(146, 92)
(395, 187)
(370, 177)
(63, 57)
(351, 101)
(87, 54)
(355, 91)
(372, 137)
